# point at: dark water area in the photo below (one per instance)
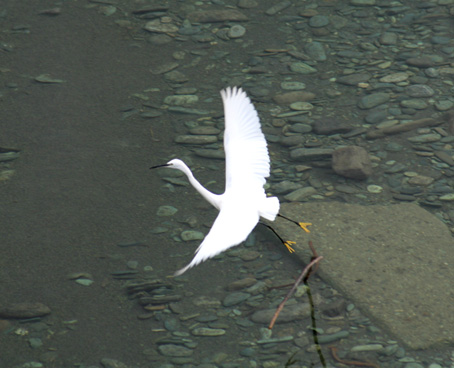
(80, 202)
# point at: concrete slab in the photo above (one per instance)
(396, 263)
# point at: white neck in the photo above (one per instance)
(209, 196)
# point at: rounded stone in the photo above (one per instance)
(166, 211)
(293, 86)
(374, 189)
(318, 21)
(172, 350)
(301, 106)
(237, 31)
(189, 235)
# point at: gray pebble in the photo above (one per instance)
(35, 342)
(166, 211)
(353, 79)
(285, 186)
(419, 90)
(372, 100)
(311, 154)
(189, 235)
(300, 128)
(444, 105)
(24, 310)
(205, 331)
(324, 339)
(181, 100)
(235, 298)
(425, 138)
(196, 139)
(318, 21)
(112, 363)
(278, 7)
(388, 38)
(414, 103)
(413, 365)
(236, 31)
(172, 350)
(292, 86)
(302, 68)
(362, 2)
(288, 314)
(300, 194)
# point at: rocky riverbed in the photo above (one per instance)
(356, 101)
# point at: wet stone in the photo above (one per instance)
(376, 116)
(278, 7)
(444, 105)
(353, 79)
(190, 235)
(247, 4)
(421, 180)
(212, 16)
(24, 310)
(372, 100)
(295, 96)
(112, 363)
(425, 138)
(157, 26)
(421, 62)
(315, 51)
(181, 100)
(352, 162)
(206, 331)
(395, 77)
(241, 284)
(419, 90)
(286, 186)
(318, 21)
(235, 298)
(362, 2)
(290, 85)
(288, 314)
(300, 194)
(172, 350)
(414, 104)
(205, 130)
(196, 139)
(301, 106)
(35, 342)
(311, 154)
(166, 211)
(237, 31)
(388, 38)
(328, 126)
(302, 68)
(176, 76)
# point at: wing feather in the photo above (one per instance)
(229, 229)
(246, 152)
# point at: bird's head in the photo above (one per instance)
(172, 164)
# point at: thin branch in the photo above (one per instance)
(305, 272)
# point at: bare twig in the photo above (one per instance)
(304, 274)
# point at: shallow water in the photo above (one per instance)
(82, 204)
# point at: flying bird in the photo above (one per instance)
(244, 201)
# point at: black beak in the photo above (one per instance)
(155, 167)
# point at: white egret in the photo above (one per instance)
(244, 201)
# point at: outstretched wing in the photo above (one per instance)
(246, 154)
(230, 228)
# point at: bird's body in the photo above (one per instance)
(247, 165)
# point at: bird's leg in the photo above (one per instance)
(303, 225)
(287, 243)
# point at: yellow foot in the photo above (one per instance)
(304, 226)
(288, 244)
